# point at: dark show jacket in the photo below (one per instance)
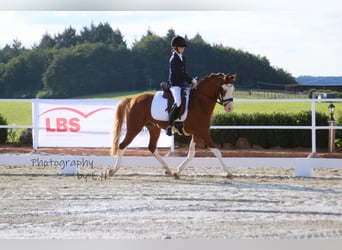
(177, 73)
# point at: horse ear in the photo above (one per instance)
(230, 77)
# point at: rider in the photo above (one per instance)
(177, 77)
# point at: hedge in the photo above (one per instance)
(267, 138)
(3, 131)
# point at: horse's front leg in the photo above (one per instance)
(117, 164)
(211, 145)
(218, 154)
(190, 156)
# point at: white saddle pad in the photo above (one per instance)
(159, 105)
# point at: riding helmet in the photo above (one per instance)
(178, 41)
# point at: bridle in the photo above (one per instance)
(222, 101)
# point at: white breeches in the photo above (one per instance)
(176, 93)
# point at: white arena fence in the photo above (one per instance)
(71, 118)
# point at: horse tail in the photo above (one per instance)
(120, 117)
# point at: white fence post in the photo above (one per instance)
(35, 125)
(313, 126)
(303, 167)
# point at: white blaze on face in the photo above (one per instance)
(229, 89)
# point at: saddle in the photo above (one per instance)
(170, 100)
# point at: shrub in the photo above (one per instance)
(287, 138)
(25, 137)
(339, 132)
(310, 93)
(3, 131)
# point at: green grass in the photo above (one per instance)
(281, 107)
(267, 95)
(19, 113)
(112, 95)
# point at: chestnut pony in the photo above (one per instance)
(216, 87)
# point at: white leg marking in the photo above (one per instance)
(190, 156)
(117, 164)
(162, 162)
(218, 154)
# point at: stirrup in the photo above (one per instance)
(179, 128)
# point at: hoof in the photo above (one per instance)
(111, 173)
(168, 173)
(230, 176)
(176, 176)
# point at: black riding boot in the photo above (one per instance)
(172, 117)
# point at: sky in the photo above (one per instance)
(302, 41)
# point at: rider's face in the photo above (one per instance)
(180, 50)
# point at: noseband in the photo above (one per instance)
(224, 102)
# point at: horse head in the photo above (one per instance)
(226, 92)
(218, 87)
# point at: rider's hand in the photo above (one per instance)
(194, 83)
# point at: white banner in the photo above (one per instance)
(80, 123)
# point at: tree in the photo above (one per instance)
(47, 42)
(22, 74)
(8, 52)
(170, 34)
(67, 39)
(151, 55)
(87, 69)
(97, 60)
(102, 33)
(17, 45)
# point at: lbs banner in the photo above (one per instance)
(80, 123)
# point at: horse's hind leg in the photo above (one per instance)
(154, 136)
(130, 135)
(117, 164)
